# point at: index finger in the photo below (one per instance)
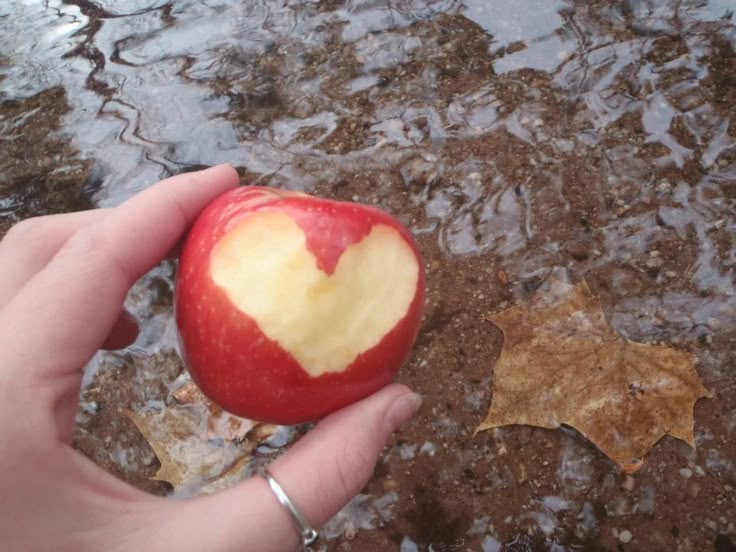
(57, 321)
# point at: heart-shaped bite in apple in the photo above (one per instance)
(290, 307)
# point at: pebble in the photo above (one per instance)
(628, 484)
(687, 473)
(350, 533)
(625, 536)
(91, 407)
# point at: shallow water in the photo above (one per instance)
(514, 138)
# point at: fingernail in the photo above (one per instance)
(401, 409)
(220, 166)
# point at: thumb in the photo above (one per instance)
(320, 474)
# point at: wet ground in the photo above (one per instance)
(515, 138)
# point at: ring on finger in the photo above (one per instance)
(308, 534)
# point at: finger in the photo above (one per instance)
(320, 474)
(72, 304)
(342, 452)
(31, 243)
(123, 333)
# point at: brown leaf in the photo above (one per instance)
(562, 364)
(201, 448)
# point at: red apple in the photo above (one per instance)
(290, 306)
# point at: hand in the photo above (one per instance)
(62, 285)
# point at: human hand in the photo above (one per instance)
(62, 285)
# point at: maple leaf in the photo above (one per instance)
(201, 448)
(561, 363)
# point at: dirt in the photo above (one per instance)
(502, 474)
(104, 430)
(559, 172)
(40, 170)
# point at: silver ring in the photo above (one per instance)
(308, 534)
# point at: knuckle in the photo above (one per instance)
(92, 246)
(84, 240)
(86, 244)
(27, 232)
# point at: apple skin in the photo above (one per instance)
(227, 354)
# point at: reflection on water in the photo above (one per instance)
(513, 137)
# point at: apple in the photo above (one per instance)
(290, 306)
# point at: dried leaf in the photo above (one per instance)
(219, 423)
(562, 364)
(200, 447)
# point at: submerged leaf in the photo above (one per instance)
(561, 363)
(200, 447)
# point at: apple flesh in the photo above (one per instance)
(290, 306)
